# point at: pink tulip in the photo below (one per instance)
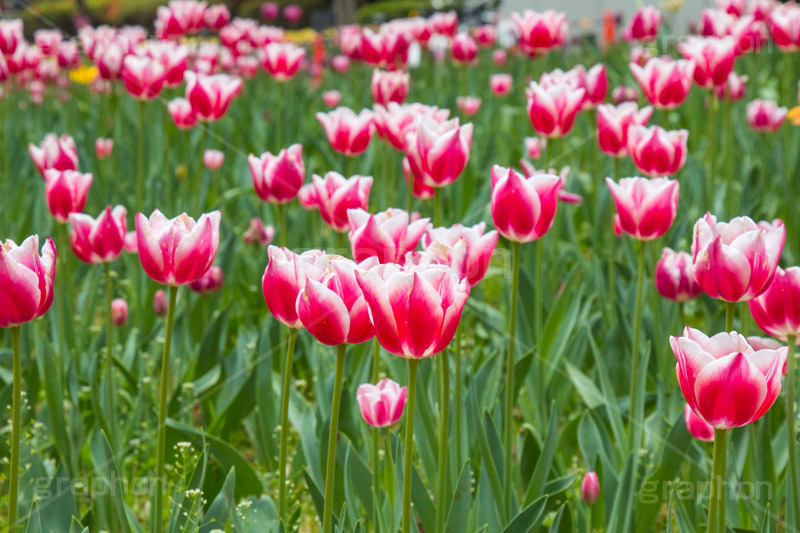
(736, 261)
(464, 48)
(144, 77)
(282, 60)
(213, 159)
(10, 36)
(613, 123)
(761, 9)
(590, 488)
(716, 23)
(387, 235)
(712, 57)
(209, 282)
(278, 178)
(394, 122)
(418, 187)
(657, 152)
(416, 310)
(523, 208)
(644, 26)
(216, 16)
(485, 35)
(665, 82)
(734, 7)
(210, 96)
(285, 276)
(173, 57)
(131, 243)
(103, 147)
(48, 41)
(499, 57)
(347, 132)
(697, 427)
(466, 250)
(331, 98)
(55, 152)
(438, 152)
(469, 105)
(500, 84)
(534, 146)
(340, 63)
(765, 115)
(444, 23)
(750, 34)
(109, 57)
(333, 308)
(540, 32)
(674, 276)
(382, 405)
(389, 86)
(334, 195)
(646, 207)
(552, 110)
(387, 48)
(99, 240)
(724, 380)
(178, 251)
(258, 233)
(623, 93)
(293, 13)
(270, 10)
(777, 309)
(182, 113)
(65, 191)
(640, 55)
(784, 26)
(26, 280)
(733, 89)
(119, 312)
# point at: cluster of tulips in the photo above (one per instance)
(405, 280)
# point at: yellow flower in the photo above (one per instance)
(300, 37)
(794, 116)
(672, 5)
(84, 74)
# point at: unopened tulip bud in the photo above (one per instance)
(590, 488)
(160, 303)
(119, 312)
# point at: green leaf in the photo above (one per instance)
(536, 484)
(222, 509)
(458, 517)
(528, 518)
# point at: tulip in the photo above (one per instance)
(293, 13)
(712, 57)
(387, 235)
(733, 89)
(657, 152)
(389, 86)
(10, 35)
(552, 110)
(468, 251)
(347, 132)
(523, 208)
(697, 427)
(540, 32)
(103, 147)
(182, 113)
(173, 57)
(178, 251)
(644, 25)
(65, 191)
(331, 98)
(382, 405)
(464, 48)
(438, 151)
(109, 57)
(613, 123)
(213, 159)
(469, 105)
(784, 26)
(270, 10)
(98, 240)
(160, 303)
(216, 16)
(418, 187)
(68, 56)
(646, 207)
(209, 282)
(500, 84)
(590, 488)
(534, 146)
(665, 82)
(282, 60)
(640, 55)
(278, 178)
(765, 115)
(258, 233)
(623, 93)
(394, 122)
(499, 57)
(444, 23)
(334, 195)
(119, 312)
(674, 276)
(55, 152)
(340, 63)
(48, 41)
(750, 34)
(736, 261)
(776, 310)
(144, 77)
(485, 35)
(210, 96)
(284, 278)
(131, 244)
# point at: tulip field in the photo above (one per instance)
(448, 273)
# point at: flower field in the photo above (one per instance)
(426, 275)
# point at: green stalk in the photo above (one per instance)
(794, 504)
(109, 357)
(637, 320)
(390, 479)
(287, 386)
(437, 207)
(444, 425)
(509, 401)
(376, 438)
(716, 510)
(281, 225)
(458, 394)
(158, 505)
(712, 152)
(327, 520)
(612, 255)
(730, 312)
(412, 392)
(167, 170)
(537, 295)
(200, 168)
(140, 160)
(13, 484)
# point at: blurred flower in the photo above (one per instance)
(500, 84)
(282, 60)
(331, 98)
(258, 233)
(160, 303)
(765, 115)
(613, 124)
(119, 312)
(54, 152)
(552, 109)
(209, 282)
(644, 25)
(213, 159)
(469, 105)
(540, 32)
(382, 405)
(389, 86)
(590, 488)
(103, 147)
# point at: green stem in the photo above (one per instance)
(200, 169)
(330, 467)
(637, 320)
(509, 401)
(612, 254)
(167, 177)
(412, 393)
(548, 154)
(13, 484)
(390, 480)
(730, 313)
(281, 225)
(716, 510)
(376, 438)
(712, 152)
(287, 386)
(444, 425)
(459, 454)
(158, 505)
(437, 207)
(140, 160)
(109, 356)
(537, 295)
(791, 432)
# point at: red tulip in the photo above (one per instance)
(333, 195)
(540, 32)
(103, 147)
(438, 152)
(552, 110)
(464, 48)
(724, 380)
(26, 280)
(644, 26)
(444, 23)
(590, 488)
(736, 261)
(58, 153)
(784, 26)
(10, 36)
(278, 178)
(697, 427)
(733, 89)
(500, 84)
(210, 96)
(387, 235)
(466, 250)
(646, 207)
(347, 132)
(144, 77)
(119, 312)
(613, 123)
(178, 251)
(712, 57)
(765, 115)
(258, 233)
(209, 282)
(523, 208)
(777, 309)
(674, 276)
(213, 159)
(657, 152)
(389, 86)
(665, 82)
(382, 405)
(98, 240)
(282, 60)
(182, 113)
(485, 35)
(65, 191)
(284, 278)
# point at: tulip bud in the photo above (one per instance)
(160, 303)
(382, 405)
(213, 159)
(646, 207)
(209, 282)
(590, 488)
(119, 312)
(65, 191)
(500, 84)
(540, 32)
(674, 277)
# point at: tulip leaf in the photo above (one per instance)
(458, 517)
(528, 518)
(221, 511)
(536, 485)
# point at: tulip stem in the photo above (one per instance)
(167, 170)
(444, 425)
(537, 295)
(437, 208)
(281, 225)
(158, 505)
(509, 405)
(390, 483)
(109, 357)
(140, 159)
(458, 398)
(287, 385)
(330, 467)
(412, 393)
(637, 320)
(376, 438)
(794, 504)
(13, 483)
(612, 254)
(716, 510)
(712, 152)
(730, 313)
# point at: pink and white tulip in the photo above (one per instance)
(712, 57)
(285, 276)
(388, 235)
(776, 310)
(213, 159)
(99, 240)
(65, 191)
(466, 250)
(26, 280)
(644, 25)
(182, 114)
(391, 86)
(469, 105)
(333, 195)
(666, 82)
(523, 208)
(347, 132)
(143, 76)
(540, 32)
(438, 152)
(464, 49)
(210, 96)
(613, 123)
(282, 60)
(552, 110)
(278, 178)
(657, 152)
(55, 152)
(674, 276)
(103, 147)
(646, 208)
(765, 115)
(696, 426)
(500, 84)
(382, 405)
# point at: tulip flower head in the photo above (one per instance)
(119, 312)
(613, 123)
(784, 26)
(55, 152)
(765, 115)
(438, 152)
(464, 48)
(210, 96)
(540, 32)
(282, 60)
(469, 105)
(99, 240)
(160, 303)
(382, 405)
(334, 195)
(258, 233)
(697, 427)
(331, 98)
(736, 261)
(395, 121)
(499, 57)
(500, 84)
(665, 82)
(10, 35)
(103, 147)
(523, 208)
(182, 113)
(466, 250)
(143, 76)
(213, 159)
(65, 191)
(209, 282)
(674, 276)
(646, 208)
(733, 89)
(285, 276)
(26, 280)
(657, 152)
(713, 59)
(347, 132)
(590, 488)
(777, 309)
(552, 109)
(644, 25)
(278, 178)
(534, 146)
(391, 86)
(388, 235)
(724, 379)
